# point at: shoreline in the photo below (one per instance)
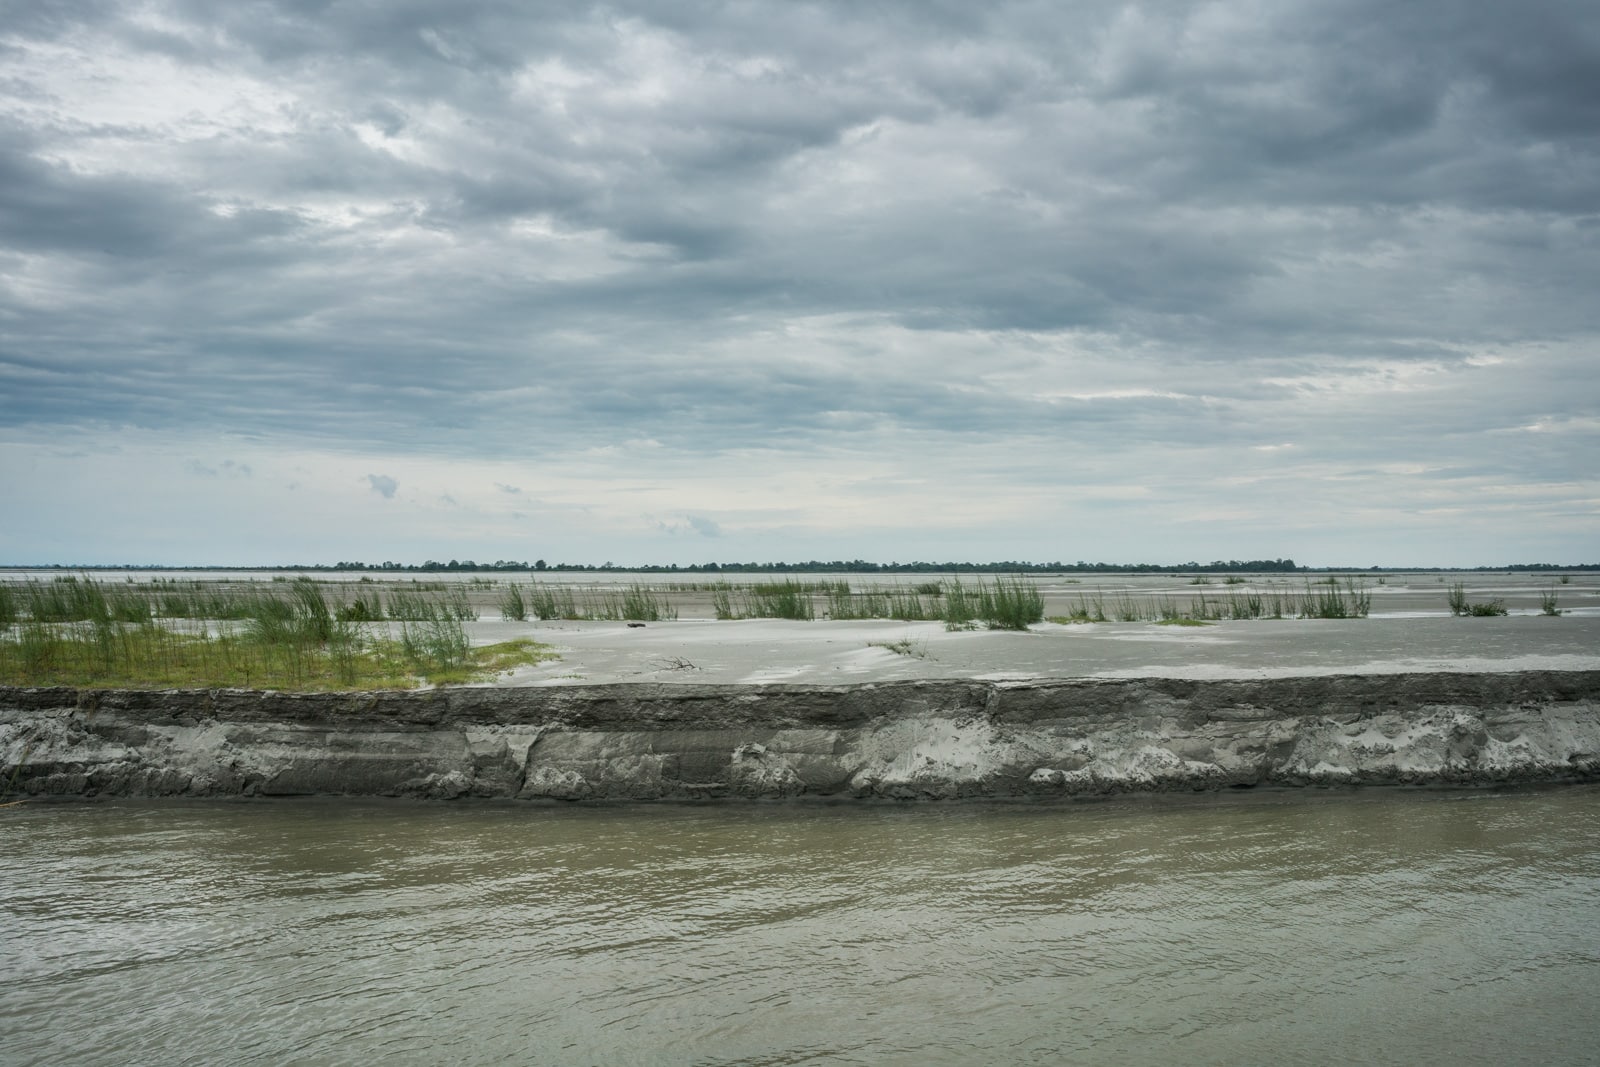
(899, 740)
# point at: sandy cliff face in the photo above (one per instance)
(902, 740)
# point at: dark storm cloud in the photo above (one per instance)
(458, 226)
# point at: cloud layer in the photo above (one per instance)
(1100, 280)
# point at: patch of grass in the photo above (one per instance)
(366, 607)
(1199, 579)
(784, 600)
(155, 656)
(1006, 605)
(513, 606)
(73, 599)
(1330, 600)
(1460, 605)
(551, 602)
(1548, 601)
(903, 647)
(905, 604)
(1181, 621)
(1091, 608)
(771, 600)
(435, 647)
(448, 603)
(1245, 605)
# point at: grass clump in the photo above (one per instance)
(768, 600)
(1330, 600)
(551, 602)
(640, 604)
(415, 605)
(513, 605)
(436, 647)
(1460, 605)
(1548, 601)
(903, 647)
(904, 604)
(637, 603)
(73, 599)
(1006, 605)
(366, 607)
(781, 600)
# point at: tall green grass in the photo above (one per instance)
(74, 599)
(765, 600)
(1461, 605)
(901, 603)
(288, 636)
(513, 605)
(155, 655)
(1350, 600)
(1326, 602)
(552, 602)
(637, 603)
(1005, 605)
(425, 605)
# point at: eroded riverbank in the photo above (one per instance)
(908, 740)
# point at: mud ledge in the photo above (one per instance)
(908, 740)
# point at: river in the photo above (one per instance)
(1383, 926)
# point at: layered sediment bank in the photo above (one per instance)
(908, 740)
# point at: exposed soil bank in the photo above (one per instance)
(931, 739)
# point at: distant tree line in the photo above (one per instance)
(815, 566)
(838, 566)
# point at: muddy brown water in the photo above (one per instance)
(1321, 927)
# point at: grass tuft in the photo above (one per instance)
(903, 647)
(513, 606)
(1460, 605)
(1330, 600)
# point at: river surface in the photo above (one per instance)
(1313, 927)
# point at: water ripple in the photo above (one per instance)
(1449, 927)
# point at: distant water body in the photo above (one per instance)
(1370, 927)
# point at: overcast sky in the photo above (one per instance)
(678, 282)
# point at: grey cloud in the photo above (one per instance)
(227, 468)
(588, 218)
(697, 524)
(383, 485)
(704, 526)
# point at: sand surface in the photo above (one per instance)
(775, 651)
